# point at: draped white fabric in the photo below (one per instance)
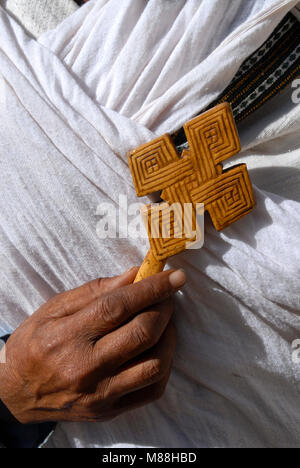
(110, 77)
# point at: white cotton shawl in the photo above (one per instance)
(110, 77)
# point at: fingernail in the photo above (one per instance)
(177, 279)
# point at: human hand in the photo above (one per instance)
(94, 352)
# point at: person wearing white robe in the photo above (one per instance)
(73, 103)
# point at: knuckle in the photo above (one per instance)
(108, 311)
(143, 336)
(125, 302)
(94, 287)
(155, 290)
(152, 370)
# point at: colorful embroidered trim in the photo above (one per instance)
(264, 74)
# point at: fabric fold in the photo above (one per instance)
(71, 107)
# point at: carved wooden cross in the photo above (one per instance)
(195, 177)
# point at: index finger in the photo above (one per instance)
(111, 310)
(69, 302)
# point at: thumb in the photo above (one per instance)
(96, 288)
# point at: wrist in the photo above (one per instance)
(13, 433)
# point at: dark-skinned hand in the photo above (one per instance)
(94, 352)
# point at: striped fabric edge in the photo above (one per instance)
(264, 74)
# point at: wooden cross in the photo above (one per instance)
(195, 177)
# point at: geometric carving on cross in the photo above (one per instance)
(170, 231)
(196, 176)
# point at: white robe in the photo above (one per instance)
(110, 77)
